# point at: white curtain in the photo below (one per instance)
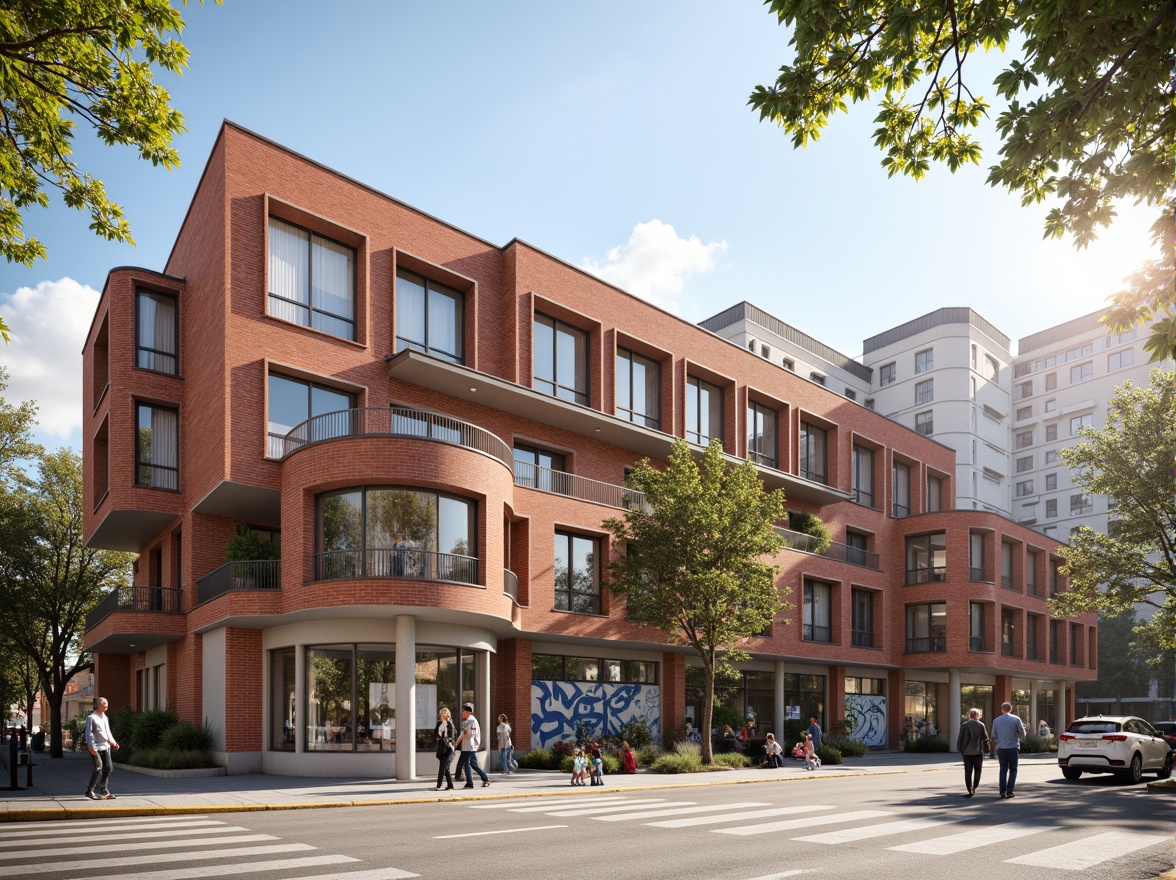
(289, 275)
(443, 320)
(333, 290)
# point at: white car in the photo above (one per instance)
(1122, 744)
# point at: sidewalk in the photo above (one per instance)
(59, 785)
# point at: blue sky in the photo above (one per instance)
(613, 135)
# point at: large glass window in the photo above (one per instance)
(396, 533)
(934, 494)
(1031, 635)
(863, 619)
(818, 606)
(560, 360)
(638, 389)
(157, 447)
(292, 401)
(887, 373)
(282, 700)
(814, 460)
(761, 434)
(311, 280)
(704, 411)
(556, 667)
(925, 391)
(157, 332)
(1007, 626)
(1007, 552)
(863, 475)
(924, 360)
(429, 317)
(975, 626)
(926, 628)
(902, 489)
(350, 698)
(538, 468)
(926, 558)
(976, 542)
(577, 573)
(1031, 572)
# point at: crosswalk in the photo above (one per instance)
(934, 834)
(166, 848)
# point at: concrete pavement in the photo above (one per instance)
(59, 786)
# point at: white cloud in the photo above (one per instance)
(44, 359)
(655, 262)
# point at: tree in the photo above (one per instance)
(49, 579)
(1133, 460)
(1122, 672)
(694, 562)
(1087, 114)
(16, 425)
(93, 61)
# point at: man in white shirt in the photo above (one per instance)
(99, 741)
(469, 742)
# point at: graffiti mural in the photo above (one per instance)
(865, 718)
(561, 710)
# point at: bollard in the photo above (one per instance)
(12, 762)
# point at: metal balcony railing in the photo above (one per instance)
(252, 574)
(813, 633)
(975, 574)
(840, 552)
(510, 584)
(1006, 581)
(132, 598)
(863, 638)
(532, 476)
(929, 645)
(392, 421)
(1007, 649)
(976, 643)
(926, 575)
(398, 563)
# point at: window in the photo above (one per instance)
(1120, 338)
(1054, 626)
(1120, 359)
(857, 546)
(1051, 405)
(788, 364)
(1081, 372)
(926, 628)
(819, 378)
(765, 351)
(350, 694)
(925, 423)
(924, 360)
(1025, 389)
(761, 434)
(975, 626)
(863, 618)
(1024, 464)
(1025, 487)
(1051, 433)
(1031, 572)
(850, 394)
(1051, 508)
(1075, 644)
(157, 332)
(577, 573)
(537, 468)
(1006, 565)
(1077, 422)
(901, 476)
(560, 360)
(1080, 503)
(926, 558)
(1051, 457)
(863, 475)
(638, 389)
(292, 401)
(157, 447)
(934, 494)
(1053, 577)
(1051, 381)
(887, 373)
(1051, 482)
(1007, 625)
(704, 411)
(973, 360)
(311, 280)
(818, 607)
(429, 317)
(813, 453)
(1024, 412)
(391, 532)
(1024, 439)
(924, 391)
(976, 556)
(555, 667)
(991, 366)
(1032, 623)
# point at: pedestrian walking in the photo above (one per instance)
(773, 752)
(811, 759)
(814, 730)
(597, 765)
(505, 746)
(972, 743)
(1007, 732)
(443, 743)
(99, 740)
(470, 740)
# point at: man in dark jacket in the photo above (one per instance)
(972, 743)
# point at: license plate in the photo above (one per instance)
(1090, 743)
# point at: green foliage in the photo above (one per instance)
(722, 715)
(185, 737)
(92, 62)
(246, 545)
(122, 725)
(829, 754)
(927, 744)
(541, 759)
(16, 426)
(1130, 459)
(150, 727)
(673, 762)
(162, 759)
(646, 755)
(76, 728)
(1086, 116)
(845, 745)
(810, 524)
(734, 760)
(694, 565)
(793, 732)
(1033, 744)
(636, 733)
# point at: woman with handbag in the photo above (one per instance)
(443, 742)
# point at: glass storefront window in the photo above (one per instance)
(329, 685)
(376, 692)
(977, 696)
(282, 700)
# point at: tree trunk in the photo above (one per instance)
(56, 750)
(708, 707)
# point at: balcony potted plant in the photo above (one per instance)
(248, 546)
(810, 524)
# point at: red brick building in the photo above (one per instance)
(432, 429)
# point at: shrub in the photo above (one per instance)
(636, 733)
(184, 737)
(646, 755)
(927, 744)
(150, 727)
(688, 749)
(810, 524)
(829, 754)
(122, 725)
(246, 545)
(724, 715)
(845, 745)
(732, 759)
(676, 762)
(541, 759)
(162, 759)
(1033, 744)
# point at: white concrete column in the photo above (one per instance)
(300, 713)
(953, 708)
(1032, 721)
(1060, 708)
(778, 720)
(405, 696)
(482, 705)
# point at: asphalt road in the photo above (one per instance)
(907, 826)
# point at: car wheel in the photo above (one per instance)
(1166, 768)
(1134, 773)
(1071, 773)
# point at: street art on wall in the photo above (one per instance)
(562, 710)
(865, 718)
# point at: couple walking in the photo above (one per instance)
(469, 741)
(1005, 744)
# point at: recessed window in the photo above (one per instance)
(818, 614)
(789, 364)
(925, 423)
(1051, 482)
(926, 558)
(862, 602)
(1080, 503)
(577, 573)
(1051, 381)
(157, 332)
(819, 378)
(814, 453)
(704, 411)
(540, 469)
(924, 360)
(887, 373)
(157, 447)
(901, 489)
(1051, 457)
(1051, 508)
(560, 360)
(1024, 464)
(1081, 372)
(1024, 488)
(1051, 432)
(975, 626)
(925, 391)
(934, 494)
(1025, 389)
(429, 317)
(926, 628)
(638, 389)
(311, 280)
(1024, 412)
(1051, 405)
(1024, 439)
(761, 434)
(293, 401)
(1079, 422)
(863, 475)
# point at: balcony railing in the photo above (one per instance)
(510, 584)
(393, 421)
(814, 633)
(863, 638)
(253, 574)
(975, 575)
(926, 575)
(1006, 581)
(976, 643)
(132, 598)
(400, 563)
(930, 645)
(532, 476)
(840, 552)
(1007, 650)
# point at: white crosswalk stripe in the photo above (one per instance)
(87, 828)
(156, 858)
(543, 803)
(886, 829)
(127, 847)
(735, 817)
(678, 811)
(23, 828)
(596, 805)
(1082, 854)
(229, 870)
(615, 808)
(148, 834)
(954, 843)
(804, 822)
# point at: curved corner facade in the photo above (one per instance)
(429, 430)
